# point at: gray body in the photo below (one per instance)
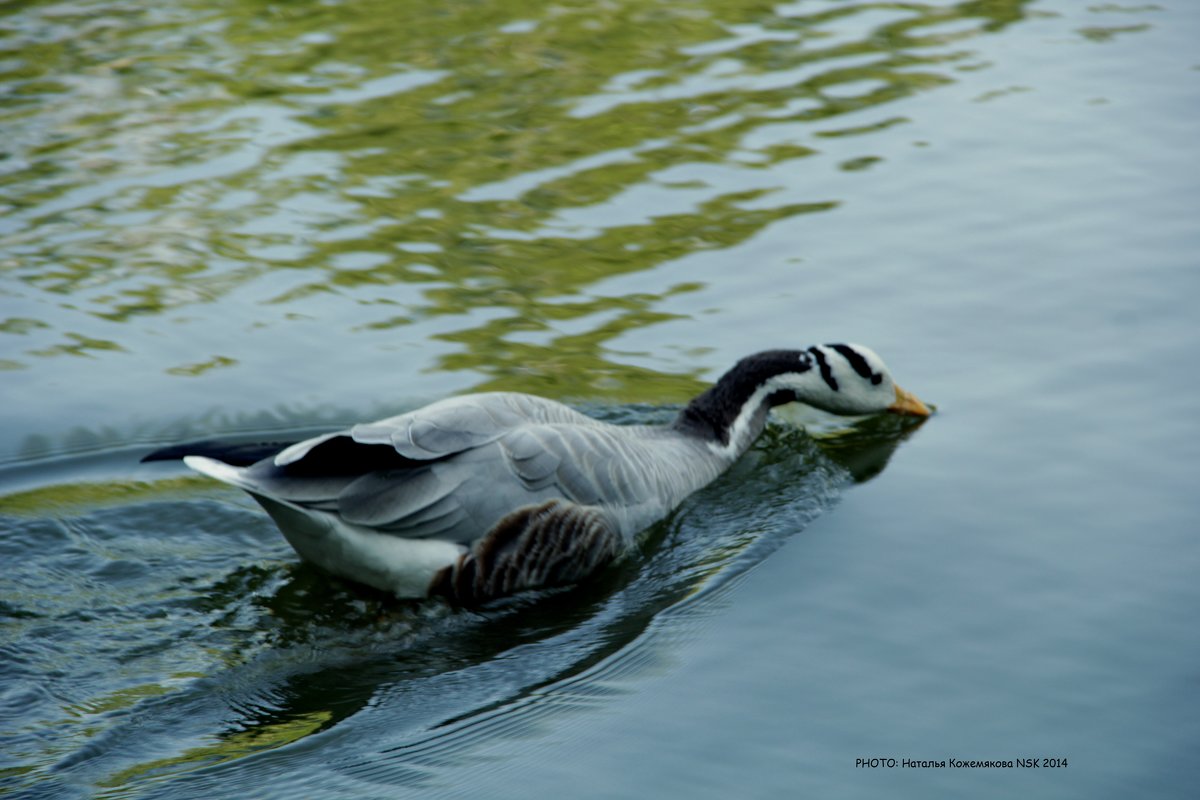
(461, 468)
(484, 495)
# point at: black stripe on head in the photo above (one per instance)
(859, 363)
(826, 372)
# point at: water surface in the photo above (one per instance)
(248, 218)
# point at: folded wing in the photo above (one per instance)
(455, 468)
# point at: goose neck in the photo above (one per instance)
(730, 415)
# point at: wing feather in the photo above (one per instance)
(455, 468)
(591, 466)
(386, 498)
(458, 424)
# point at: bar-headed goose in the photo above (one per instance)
(481, 496)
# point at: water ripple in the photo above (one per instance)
(223, 661)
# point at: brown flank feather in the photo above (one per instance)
(551, 544)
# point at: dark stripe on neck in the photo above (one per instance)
(712, 414)
(859, 363)
(826, 372)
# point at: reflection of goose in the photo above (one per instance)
(480, 496)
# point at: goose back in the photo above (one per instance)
(454, 469)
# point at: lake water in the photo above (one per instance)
(238, 218)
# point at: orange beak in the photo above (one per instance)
(907, 403)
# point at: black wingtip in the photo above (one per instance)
(238, 454)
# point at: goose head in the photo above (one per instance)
(849, 379)
(845, 379)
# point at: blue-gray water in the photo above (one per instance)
(246, 218)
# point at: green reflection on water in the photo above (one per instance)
(64, 498)
(227, 748)
(419, 160)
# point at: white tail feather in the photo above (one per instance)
(223, 472)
